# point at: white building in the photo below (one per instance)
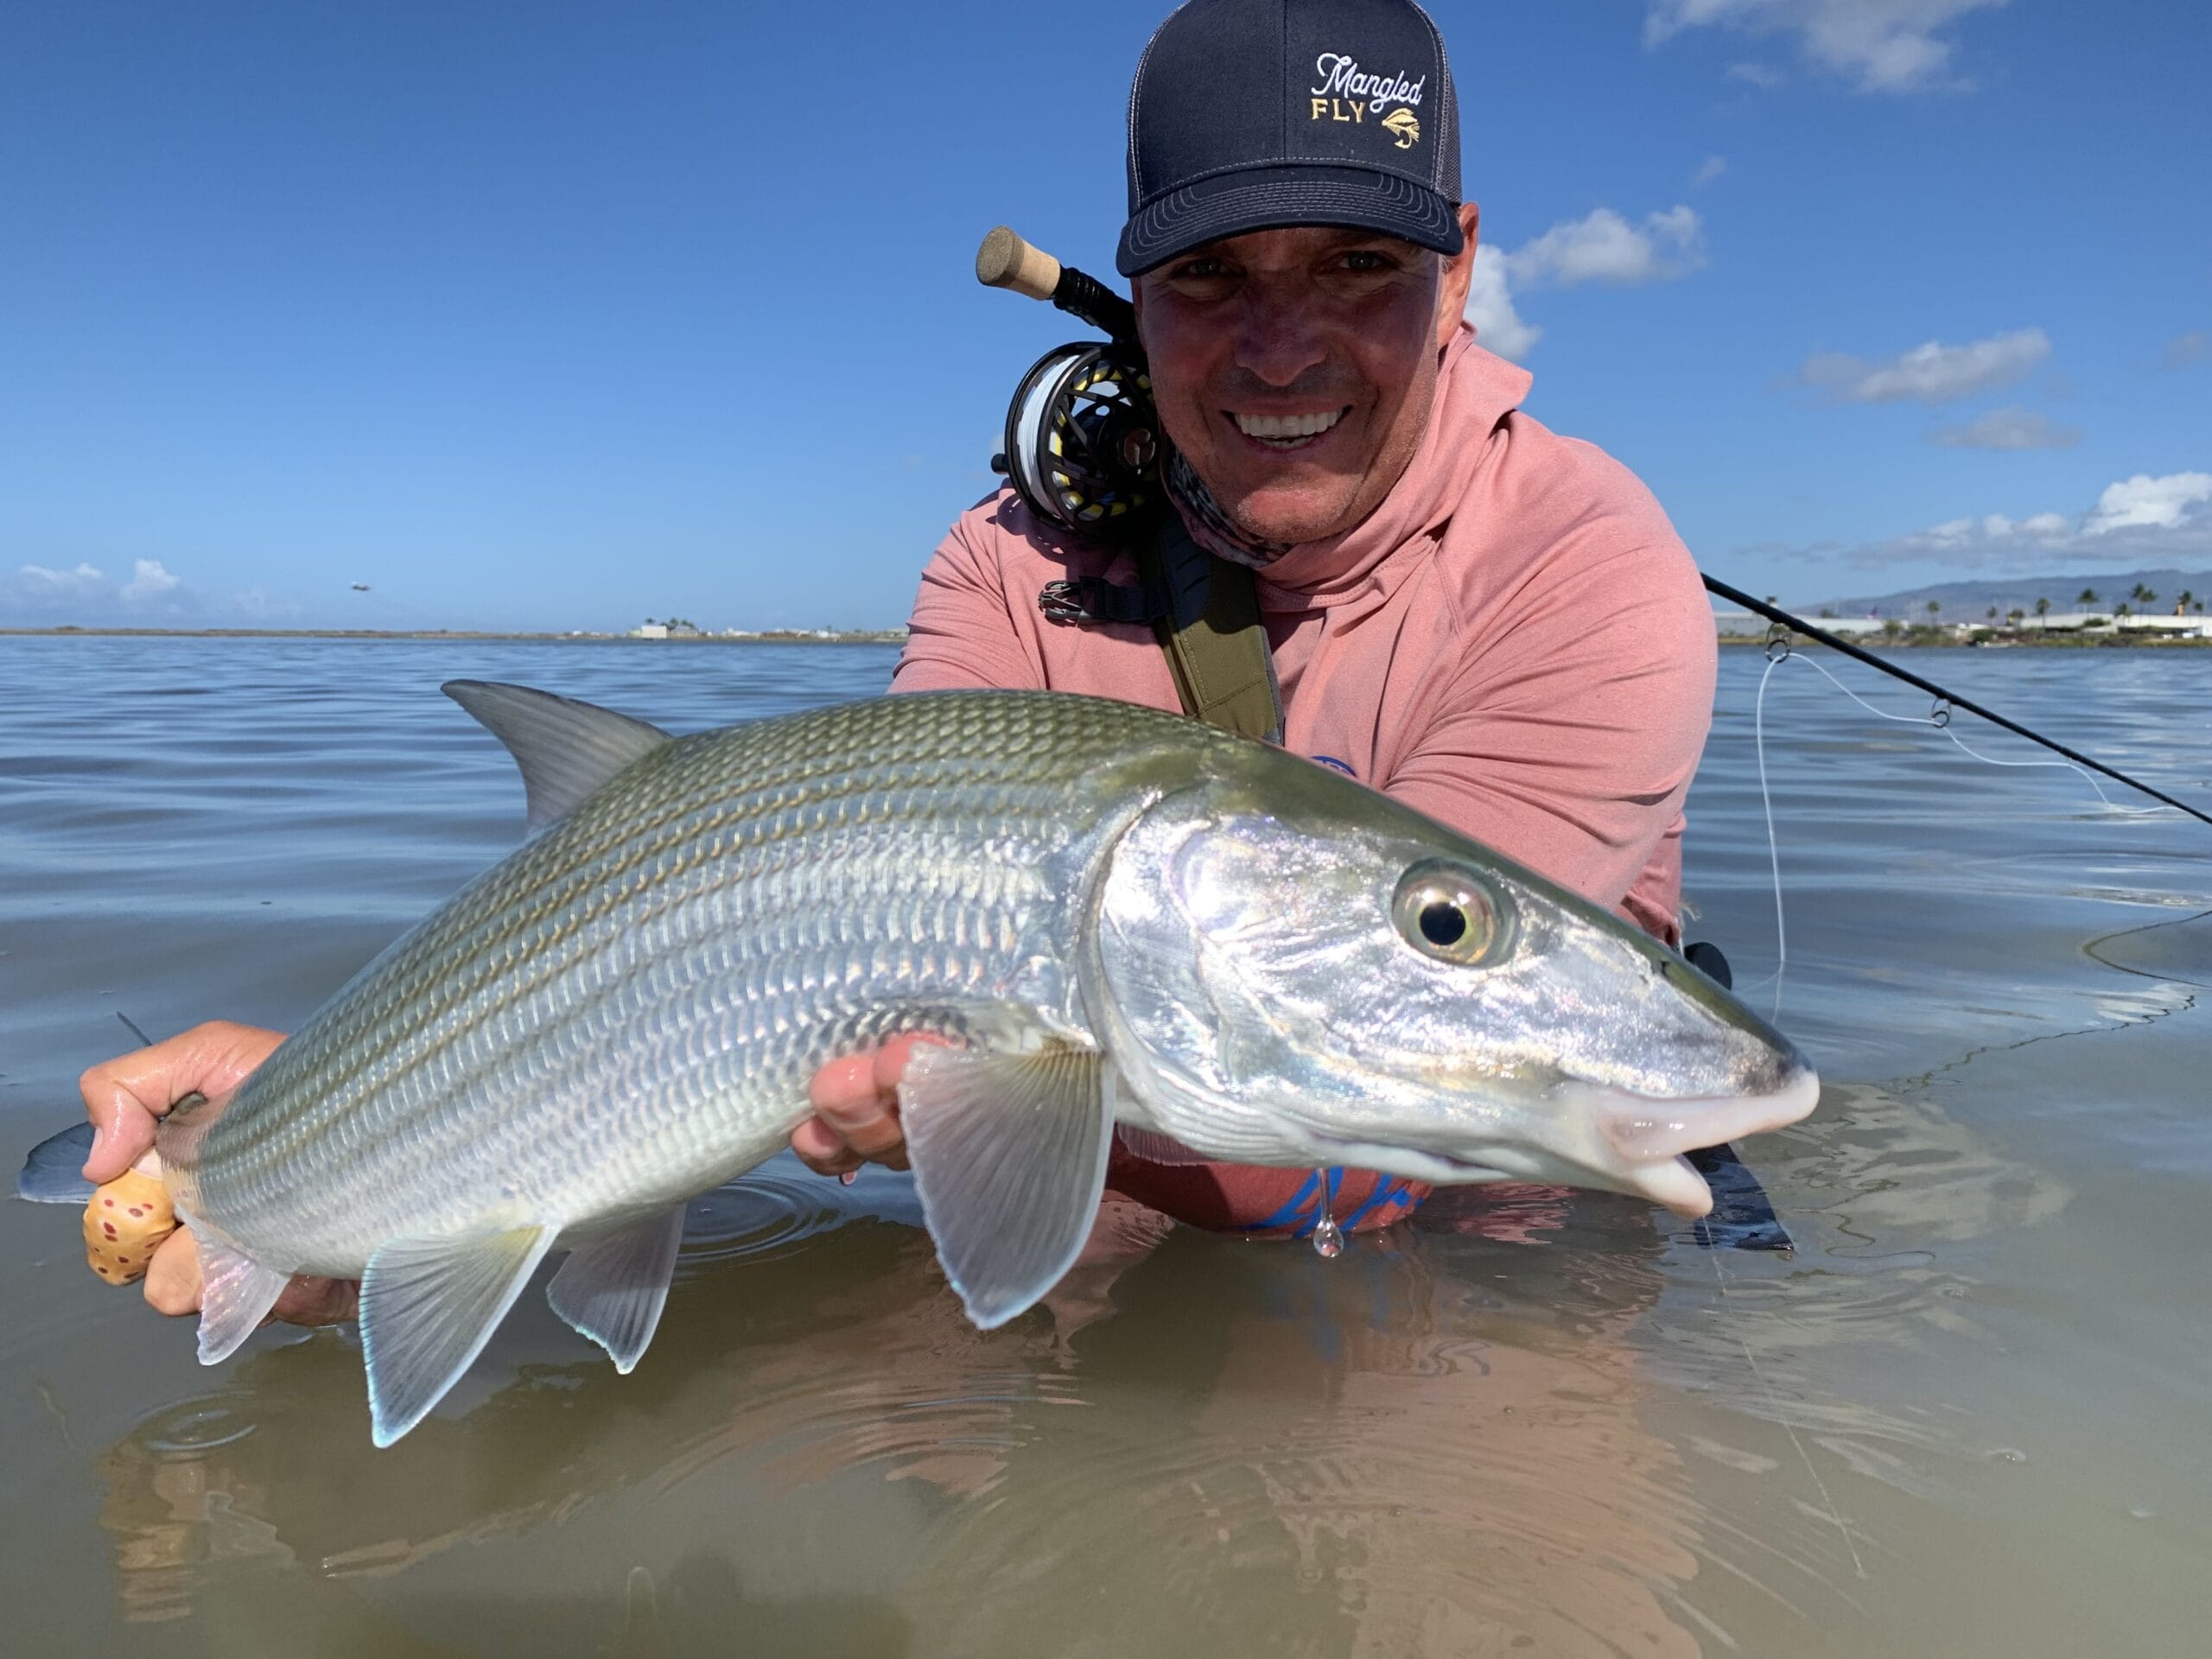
(1746, 625)
(2183, 627)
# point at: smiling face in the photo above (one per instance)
(1296, 369)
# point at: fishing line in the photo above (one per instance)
(1940, 719)
(1773, 847)
(1780, 651)
(1774, 1404)
(1946, 699)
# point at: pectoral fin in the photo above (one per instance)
(612, 1288)
(427, 1307)
(1009, 1156)
(235, 1296)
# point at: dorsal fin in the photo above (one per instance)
(566, 749)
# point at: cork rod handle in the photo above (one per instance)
(1006, 261)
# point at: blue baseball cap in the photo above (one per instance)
(1249, 115)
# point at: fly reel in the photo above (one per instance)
(1082, 438)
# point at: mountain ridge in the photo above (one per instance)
(1961, 600)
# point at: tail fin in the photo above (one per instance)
(50, 1173)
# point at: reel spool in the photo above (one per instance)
(1082, 438)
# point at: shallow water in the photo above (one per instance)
(1967, 1417)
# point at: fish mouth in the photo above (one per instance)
(1628, 1142)
(1648, 1135)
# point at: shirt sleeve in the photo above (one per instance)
(962, 634)
(1569, 739)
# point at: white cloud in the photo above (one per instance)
(37, 581)
(2185, 349)
(1881, 46)
(149, 580)
(2140, 518)
(88, 594)
(1600, 247)
(1764, 76)
(1490, 308)
(2011, 428)
(1929, 373)
(1603, 247)
(2144, 502)
(1711, 168)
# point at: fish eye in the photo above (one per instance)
(1450, 913)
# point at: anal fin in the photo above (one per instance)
(236, 1293)
(1009, 1156)
(612, 1288)
(427, 1307)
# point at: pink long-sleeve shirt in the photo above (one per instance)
(1515, 642)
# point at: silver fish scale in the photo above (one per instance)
(627, 1009)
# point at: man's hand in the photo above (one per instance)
(856, 1118)
(125, 1097)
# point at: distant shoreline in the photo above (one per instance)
(771, 637)
(2027, 641)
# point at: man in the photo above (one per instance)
(1492, 623)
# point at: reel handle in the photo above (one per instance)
(1006, 261)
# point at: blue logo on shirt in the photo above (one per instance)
(1331, 761)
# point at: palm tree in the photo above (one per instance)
(2015, 616)
(1934, 608)
(2042, 608)
(2087, 596)
(2142, 595)
(2181, 604)
(1991, 613)
(2122, 609)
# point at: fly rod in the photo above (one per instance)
(1798, 625)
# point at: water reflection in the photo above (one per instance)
(1431, 1444)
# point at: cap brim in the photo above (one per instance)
(1267, 198)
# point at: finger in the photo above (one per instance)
(869, 1128)
(857, 1110)
(855, 1100)
(891, 1060)
(890, 1066)
(846, 1084)
(822, 1150)
(173, 1276)
(308, 1300)
(124, 1096)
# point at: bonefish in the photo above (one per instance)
(1112, 915)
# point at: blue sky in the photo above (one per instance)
(561, 315)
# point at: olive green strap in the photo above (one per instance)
(1215, 643)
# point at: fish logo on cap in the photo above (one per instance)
(1405, 125)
